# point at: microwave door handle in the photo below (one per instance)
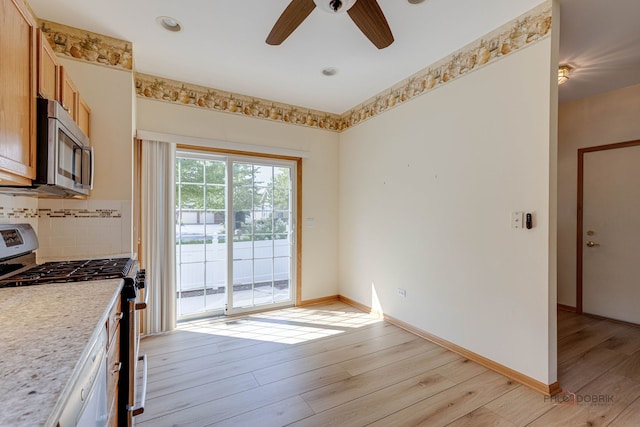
(93, 160)
(89, 185)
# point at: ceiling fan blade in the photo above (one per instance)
(368, 16)
(291, 18)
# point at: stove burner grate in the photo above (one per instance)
(71, 271)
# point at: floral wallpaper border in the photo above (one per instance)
(519, 33)
(509, 38)
(505, 40)
(87, 46)
(173, 91)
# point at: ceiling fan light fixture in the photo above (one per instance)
(169, 23)
(563, 73)
(334, 6)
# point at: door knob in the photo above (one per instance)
(592, 244)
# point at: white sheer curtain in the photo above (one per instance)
(158, 234)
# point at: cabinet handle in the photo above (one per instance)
(116, 368)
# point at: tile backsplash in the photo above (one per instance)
(69, 228)
(14, 210)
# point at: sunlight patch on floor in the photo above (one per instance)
(287, 326)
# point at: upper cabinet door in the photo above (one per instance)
(69, 96)
(48, 69)
(17, 93)
(84, 116)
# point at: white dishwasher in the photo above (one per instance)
(87, 403)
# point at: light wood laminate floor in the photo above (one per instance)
(332, 365)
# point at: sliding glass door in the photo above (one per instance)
(235, 233)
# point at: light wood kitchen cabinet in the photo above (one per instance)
(17, 93)
(48, 69)
(84, 116)
(113, 362)
(72, 102)
(69, 95)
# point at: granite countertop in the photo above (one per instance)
(44, 332)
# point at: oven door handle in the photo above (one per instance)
(143, 305)
(139, 409)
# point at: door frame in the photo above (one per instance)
(298, 217)
(580, 210)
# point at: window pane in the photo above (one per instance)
(242, 174)
(191, 277)
(191, 197)
(281, 178)
(242, 249)
(191, 170)
(263, 281)
(281, 245)
(263, 247)
(242, 224)
(215, 197)
(217, 248)
(242, 283)
(215, 172)
(242, 197)
(281, 198)
(216, 275)
(282, 269)
(262, 271)
(263, 175)
(262, 198)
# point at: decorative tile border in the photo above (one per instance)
(176, 92)
(79, 213)
(509, 38)
(17, 213)
(87, 46)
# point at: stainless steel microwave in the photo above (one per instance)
(64, 159)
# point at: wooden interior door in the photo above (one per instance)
(610, 231)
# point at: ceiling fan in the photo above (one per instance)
(366, 14)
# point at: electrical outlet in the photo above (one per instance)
(517, 220)
(402, 292)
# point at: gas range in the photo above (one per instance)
(18, 266)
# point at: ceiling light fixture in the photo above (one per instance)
(329, 71)
(334, 6)
(563, 73)
(169, 23)
(415, 1)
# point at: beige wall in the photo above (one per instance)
(602, 119)
(426, 194)
(319, 174)
(107, 91)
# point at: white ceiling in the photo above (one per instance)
(222, 45)
(601, 39)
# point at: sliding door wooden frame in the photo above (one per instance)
(298, 231)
